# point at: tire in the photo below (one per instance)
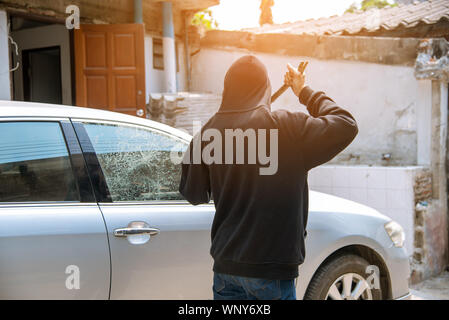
(336, 274)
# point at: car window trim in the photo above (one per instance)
(57, 120)
(32, 119)
(46, 204)
(95, 172)
(153, 202)
(93, 163)
(79, 168)
(114, 122)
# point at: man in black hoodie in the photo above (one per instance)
(260, 222)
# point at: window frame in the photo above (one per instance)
(77, 166)
(94, 167)
(159, 41)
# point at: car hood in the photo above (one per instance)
(322, 202)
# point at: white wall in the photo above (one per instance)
(154, 78)
(423, 125)
(5, 85)
(384, 99)
(42, 37)
(386, 189)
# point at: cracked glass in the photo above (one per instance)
(136, 161)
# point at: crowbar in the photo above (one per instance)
(302, 66)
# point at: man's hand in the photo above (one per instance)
(295, 79)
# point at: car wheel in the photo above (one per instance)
(344, 277)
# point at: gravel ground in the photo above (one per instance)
(436, 288)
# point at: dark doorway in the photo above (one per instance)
(42, 75)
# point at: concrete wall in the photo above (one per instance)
(390, 190)
(385, 100)
(5, 86)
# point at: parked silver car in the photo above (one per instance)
(89, 209)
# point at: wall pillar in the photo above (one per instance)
(138, 13)
(168, 43)
(5, 83)
(435, 219)
(438, 140)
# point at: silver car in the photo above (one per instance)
(89, 209)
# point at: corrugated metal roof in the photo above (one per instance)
(370, 21)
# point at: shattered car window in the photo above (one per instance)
(136, 162)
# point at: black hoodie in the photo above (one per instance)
(260, 221)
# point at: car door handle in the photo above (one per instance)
(130, 231)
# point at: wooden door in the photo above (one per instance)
(110, 67)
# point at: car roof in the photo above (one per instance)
(46, 110)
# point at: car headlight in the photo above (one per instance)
(396, 233)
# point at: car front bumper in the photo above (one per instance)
(398, 264)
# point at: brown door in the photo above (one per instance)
(110, 67)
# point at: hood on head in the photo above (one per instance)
(246, 86)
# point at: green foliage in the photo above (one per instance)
(204, 19)
(265, 12)
(368, 4)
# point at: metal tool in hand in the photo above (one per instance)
(302, 66)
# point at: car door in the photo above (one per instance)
(53, 242)
(159, 243)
